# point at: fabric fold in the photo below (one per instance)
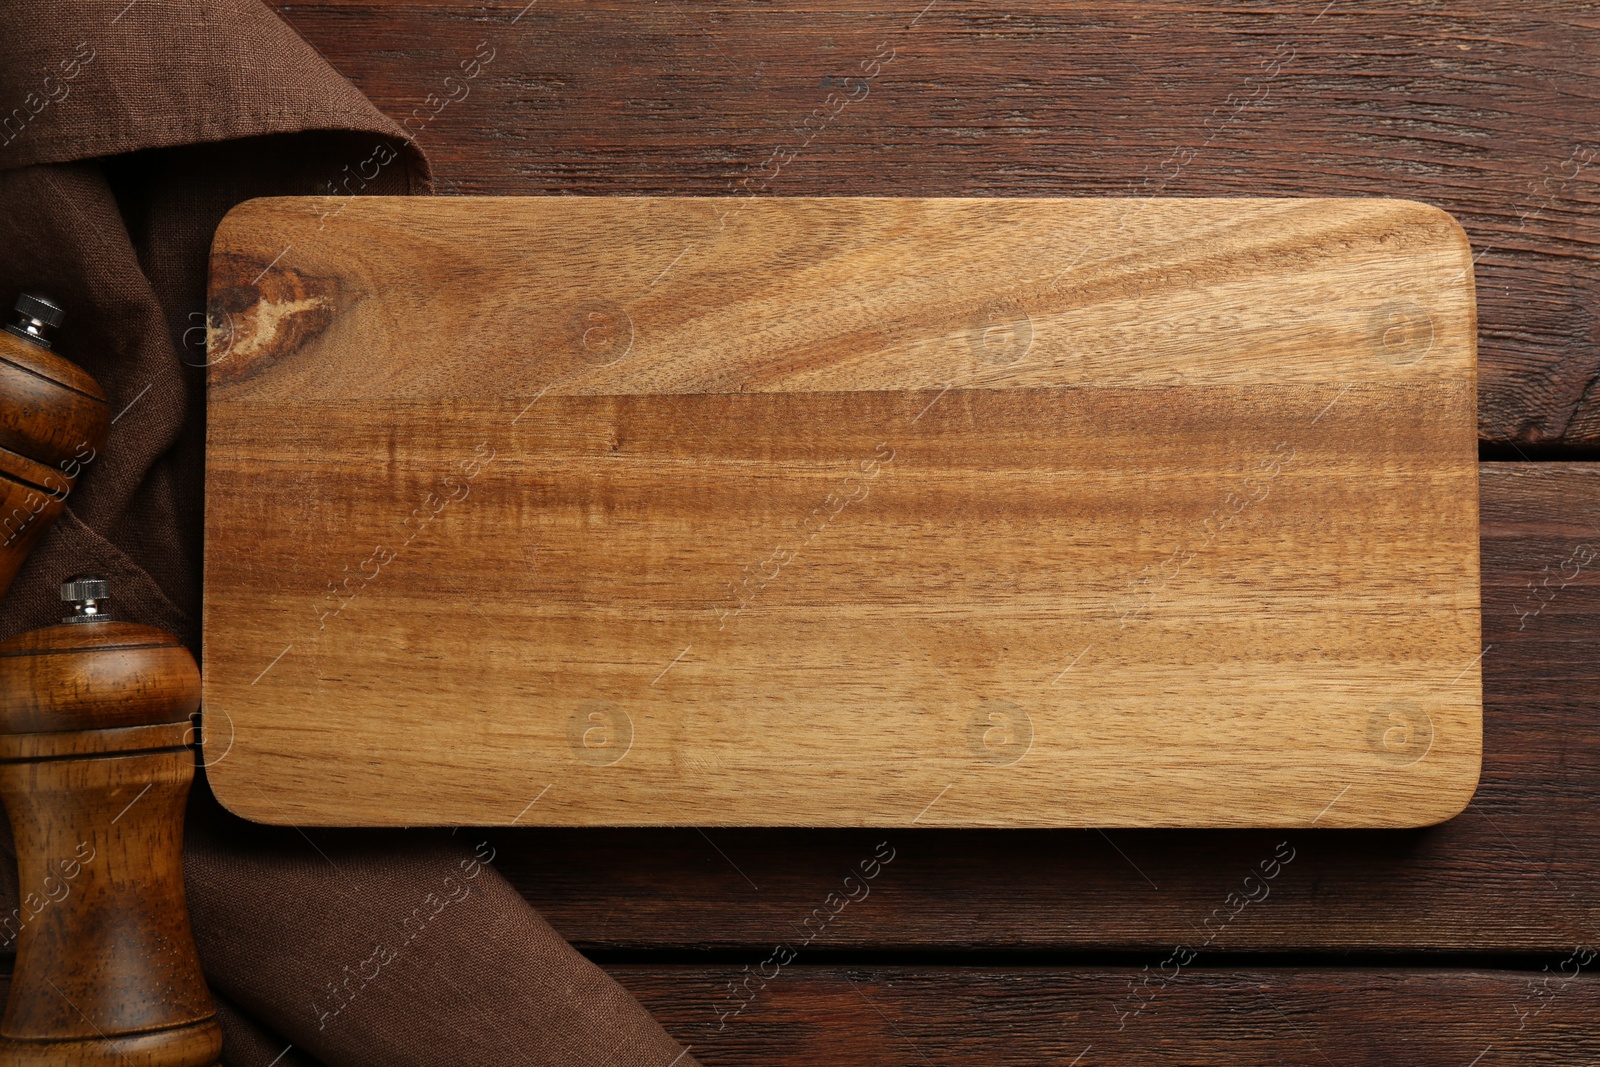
(100, 79)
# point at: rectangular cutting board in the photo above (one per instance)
(837, 512)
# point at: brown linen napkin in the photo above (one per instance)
(126, 131)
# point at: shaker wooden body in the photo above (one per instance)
(96, 761)
(95, 767)
(53, 423)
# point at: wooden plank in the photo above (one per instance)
(1485, 109)
(1517, 871)
(1095, 1017)
(843, 512)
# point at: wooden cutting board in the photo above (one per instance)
(1002, 513)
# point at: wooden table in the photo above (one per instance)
(1463, 944)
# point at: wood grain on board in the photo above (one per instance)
(1486, 109)
(850, 512)
(1516, 872)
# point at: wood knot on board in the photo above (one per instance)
(257, 317)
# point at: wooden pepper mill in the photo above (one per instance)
(53, 422)
(95, 767)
